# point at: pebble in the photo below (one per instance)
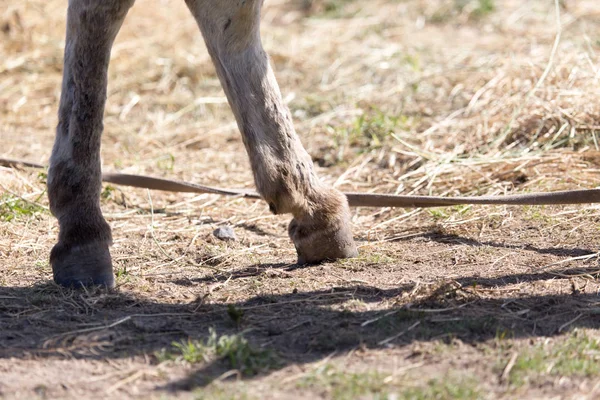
(225, 233)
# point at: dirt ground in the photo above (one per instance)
(449, 97)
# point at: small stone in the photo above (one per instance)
(225, 233)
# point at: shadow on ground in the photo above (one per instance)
(461, 240)
(47, 321)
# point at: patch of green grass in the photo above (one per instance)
(334, 7)
(220, 392)
(122, 274)
(313, 105)
(13, 207)
(437, 213)
(235, 350)
(235, 314)
(373, 129)
(483, 8)
(166, 162)
(107, 192)
(442, 213)
(502, 335)
(537, 213)
(578, 355)
(337, 384)
(370, 131)
(413, 61)
(462, 209)
(472, 9)
(241, 355)
(42, 177)
(329, 8)
(194, 352)
(445, 389)
(344, 385)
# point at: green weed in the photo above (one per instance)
(371, 130)
(121, 272)
(235, 350)
(12, 207)
(437, 213)
(349, 385)
(342, 385)
(107, 192)
(482, 8)
(219, 392)
(235, 314)
(166, 162)
(445, 389)
(537, 213)
(578, 355)
(472, 9)
(329, 8)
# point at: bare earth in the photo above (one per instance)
(446, 97)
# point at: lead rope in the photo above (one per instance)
(584, 196)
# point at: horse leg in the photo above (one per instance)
(283, 170)
(81, 256)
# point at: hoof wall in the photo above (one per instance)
(324, 237)
(82, 265)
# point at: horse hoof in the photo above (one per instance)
(326, 235)
(82, 265)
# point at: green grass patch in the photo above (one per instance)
(373, 129)
(107, 192)
(444, 389)
(329, 8)
(480, 8)
(576, 356)
(335, 8)
(343, 385)
(437, 213)
(444, 213)
(166, 162)
(537, 213)
(338, 385)
(474, 10)
(220, 392)
(235, 350)
(370, 131)
(13, 207)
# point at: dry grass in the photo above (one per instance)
(414, 97)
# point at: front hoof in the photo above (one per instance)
(82, 265)
(323, 237)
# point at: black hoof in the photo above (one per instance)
(82, 265)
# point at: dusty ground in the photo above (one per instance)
(428, 97)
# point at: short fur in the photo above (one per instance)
(283, 170)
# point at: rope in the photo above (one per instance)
(584, 196)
